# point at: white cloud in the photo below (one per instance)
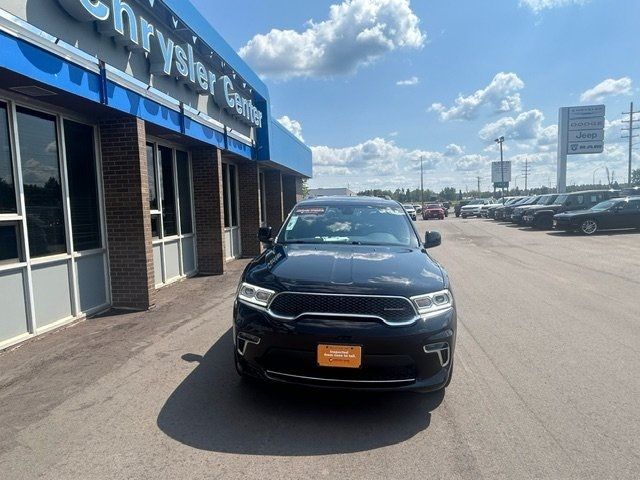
(453, 150)
(525, 126)
(375, 161)
(472, 163)
(293, 126)
(394, 134)
(357, 33)
(539, 5)
(607, 88)
(408, 82)
(501, 95)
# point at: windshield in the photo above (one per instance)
(561, 199)
(605, 205)
(476, 202)
(433, 205)
(547, 200)
(409, 207)
(349, 224)
(530, 201)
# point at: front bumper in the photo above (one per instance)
(434, 214)
(565, 225)
(393, 358)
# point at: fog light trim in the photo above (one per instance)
(443, 351)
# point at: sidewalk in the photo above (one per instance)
(40, 374)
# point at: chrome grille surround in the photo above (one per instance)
(391, 310)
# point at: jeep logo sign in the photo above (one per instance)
(116, 19)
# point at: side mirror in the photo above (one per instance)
(265, 235)
(432, 239)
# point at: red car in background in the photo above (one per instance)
(433, 210)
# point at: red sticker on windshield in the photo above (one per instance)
(311, 211)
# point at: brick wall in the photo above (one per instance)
(291, 192)
(275, 206)
(126, 195)
(209, 209)
(248, 191)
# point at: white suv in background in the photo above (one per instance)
(472, 209)
(410, 209)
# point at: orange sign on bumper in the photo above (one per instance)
(344, 356)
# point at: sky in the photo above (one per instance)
(374, 85)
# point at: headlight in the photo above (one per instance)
(255, 295)
(433, 304)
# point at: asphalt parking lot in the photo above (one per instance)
(546, 383)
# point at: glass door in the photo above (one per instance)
(171, 210)
(231, 212)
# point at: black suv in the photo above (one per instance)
(346, 295)
(541, 216)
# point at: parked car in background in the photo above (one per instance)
(518, 213)
(411, 211)
(418, 208)
(500, 212)
(433, 210)
(509, 209)
(610, 214)
(459, 205)
(484, 210)
(491, 211)
(445, 206)
(472, 209)
(541, 216)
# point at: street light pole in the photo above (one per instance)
(421, 182)
(500, 141)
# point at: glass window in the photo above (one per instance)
(349, 224)
(83, 186)
(225, 194)
(184, 192)
(7, 187)
(9, 252)
(42, 187)
(632, 206)
(151, 173)
(168, 192)
(155, 226)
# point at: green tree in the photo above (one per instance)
(635, 177)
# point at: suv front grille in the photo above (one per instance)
(393, 310)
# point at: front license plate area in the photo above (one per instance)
(340, 356)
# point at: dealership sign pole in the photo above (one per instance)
(580, 131)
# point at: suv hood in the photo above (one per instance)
(576, 213)
(353, 269)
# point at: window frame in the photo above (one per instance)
(179, 236)
(27, 263)
(13, 164)
(228, 192)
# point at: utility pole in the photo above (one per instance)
(526, 171)
(421, 182)
(500, 141)
(478, 185)
(631, 136)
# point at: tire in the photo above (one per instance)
(457, 215)
(589, 226)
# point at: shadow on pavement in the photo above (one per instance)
(601, 233)
(214, 410)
